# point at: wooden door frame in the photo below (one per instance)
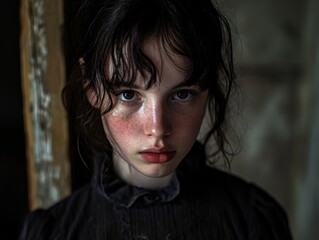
(43, 77)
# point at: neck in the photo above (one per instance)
(133, 177)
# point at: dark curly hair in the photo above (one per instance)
(114, 31)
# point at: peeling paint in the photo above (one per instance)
(46, 190)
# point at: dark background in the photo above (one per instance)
(13, 179)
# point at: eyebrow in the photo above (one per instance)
(184, 83)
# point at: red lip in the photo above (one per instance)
(157, 155)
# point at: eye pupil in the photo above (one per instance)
(128, 95)
(182, 94)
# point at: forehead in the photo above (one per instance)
(163, 56)
(158, 61)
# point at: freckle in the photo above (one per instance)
(117, 113)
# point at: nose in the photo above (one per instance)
(158, 123)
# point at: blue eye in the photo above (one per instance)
(128, 96)
(183, 95)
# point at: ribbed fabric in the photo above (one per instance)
(209, 204)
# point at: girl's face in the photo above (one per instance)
(152, 130)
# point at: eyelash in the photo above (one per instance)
(190, 96)
(135, 97)
(120, 96)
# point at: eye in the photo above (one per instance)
(183, 95)
(127, 96)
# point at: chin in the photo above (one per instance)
(157, 171)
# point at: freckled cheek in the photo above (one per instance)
(121, 128)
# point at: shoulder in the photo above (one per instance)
(38, 224)
(233, 200)
(47, 223)
(265, 218)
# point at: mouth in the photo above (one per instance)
(156, 155)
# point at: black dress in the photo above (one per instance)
(201, 203)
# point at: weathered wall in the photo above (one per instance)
(43, 77)
(306, 176)
(278, 64)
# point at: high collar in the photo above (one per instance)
(126, 195)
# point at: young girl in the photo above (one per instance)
(148, 70)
